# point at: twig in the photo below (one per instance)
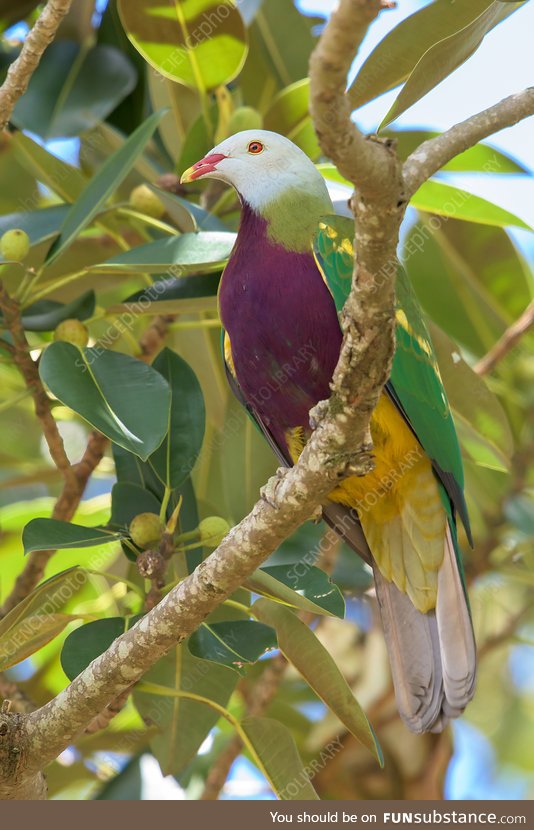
(506, 343)
(20, 72)
(434, 154)
(29, 371)
(64, 509)
(11, 694)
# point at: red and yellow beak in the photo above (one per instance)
(206, 165)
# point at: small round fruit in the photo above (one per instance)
(244, 118)
(146, 529)
(145, 201)
(213, 530)
(72, 331)
(15, 245)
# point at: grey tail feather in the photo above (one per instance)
(432, 656)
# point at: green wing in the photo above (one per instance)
(415, 384)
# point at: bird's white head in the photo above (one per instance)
(272, 176)
(261, 165)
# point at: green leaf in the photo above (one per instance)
(456, 296)
(203, 251)
(445, 200)
(62, 178)
(447, 55)
(302, 648)
(101, 186)
(179, 288)
(392, 61)
(281, 42)
(183, 724)
(38, 618)
(128, 500)
(482, 158)
(279, 759)
(40, 225)
(73, 88)
(52, 534)
(45, 315)
(85, 644)
(232, 643)
(199, 43)
(299, 585)
(289, 115)
(175, 458)
(480, 420)
(122, 397)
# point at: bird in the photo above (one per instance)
(280, 296)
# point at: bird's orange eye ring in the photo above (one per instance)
(255, 147)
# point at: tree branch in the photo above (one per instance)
(366, 160)
(506, 343)
(434, 154)
(20, 72)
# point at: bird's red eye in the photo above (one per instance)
(255, 147)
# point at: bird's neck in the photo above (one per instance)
(291, 218)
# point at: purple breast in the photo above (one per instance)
(283, 327)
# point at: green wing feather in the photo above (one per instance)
(415, 384)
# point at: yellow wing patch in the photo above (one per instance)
(229, 360)
(296, 441)
(400, 509)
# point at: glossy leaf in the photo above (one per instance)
(299, 585)
(480, 420)
(281, 42)
(447, 55)
(52, 534)
(479, 284)
(85, 644)
(182, 724)
(40, 225)
(62, 178)
(178, 288)
(45, 315)
(128, 500)
(122, 397)
(482, 158)
(178, 210)
(175, 458)
(289, 115)
(445, 200)
(84, 87)
(38, 618)
(232, 643)
(204, 251)
(397, 54)
(278, 756)
(101, 186)
(302, 648)
(199, 43)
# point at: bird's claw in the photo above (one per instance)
(269, 491)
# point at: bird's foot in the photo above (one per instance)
(318, 413)
(269, 491)
(317, 514)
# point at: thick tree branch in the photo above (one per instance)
(20, 72)
(506, 343)
(366, 160)
(434, 154)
